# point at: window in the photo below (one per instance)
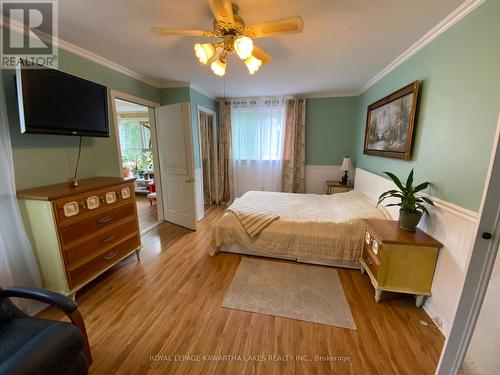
(257, 132)
(135, 143)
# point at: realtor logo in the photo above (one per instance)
(29, 34)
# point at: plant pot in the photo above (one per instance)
(409, 221)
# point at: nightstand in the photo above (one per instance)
(335, 187)
(397, 260)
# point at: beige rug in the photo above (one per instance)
(291, 290)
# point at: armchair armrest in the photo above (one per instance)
(64, 303)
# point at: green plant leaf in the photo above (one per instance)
(427, 200)
(421, 187)
(395, 179)
(409, 181)
(423, 208)
(394, 204)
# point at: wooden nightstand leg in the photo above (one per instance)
(378, 294)
(419, 301)
(138, 255)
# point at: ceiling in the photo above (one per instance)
(344, 44)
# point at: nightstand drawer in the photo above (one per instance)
(370, 262)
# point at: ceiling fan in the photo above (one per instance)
(235, 37)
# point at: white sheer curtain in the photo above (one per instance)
(257, 133)
(18, 265)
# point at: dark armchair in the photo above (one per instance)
(30, 345)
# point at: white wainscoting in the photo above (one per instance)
(455, 227)
(317, 175)
(198, 193)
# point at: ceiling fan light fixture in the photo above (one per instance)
(253, 64)
(204, 52)
(243, 46)
(219, 66)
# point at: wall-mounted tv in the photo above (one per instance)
(54, 102)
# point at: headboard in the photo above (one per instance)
(372, 185)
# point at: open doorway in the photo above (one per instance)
(135, 133)
(208, 153)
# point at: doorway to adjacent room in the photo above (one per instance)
(136, 138)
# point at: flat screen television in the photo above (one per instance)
(54, 102)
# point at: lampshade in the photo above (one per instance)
(219, 66)
(204, 52)
(253, 64)
(243, 46)
(346, 164)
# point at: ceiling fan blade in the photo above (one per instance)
(186, 32)
(290, 25)
(222, 10)
(261, 55)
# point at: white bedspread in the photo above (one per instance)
(317, 227)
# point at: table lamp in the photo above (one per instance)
(346, 167)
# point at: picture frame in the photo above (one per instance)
(390, 124)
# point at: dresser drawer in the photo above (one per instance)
(91, 224)
(97, 265)
(101, 242)
(69, 209)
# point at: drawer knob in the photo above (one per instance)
(111, 255)
(105, 219)
(107, 239)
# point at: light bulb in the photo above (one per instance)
(253, 64)
(204, 52)
(219, 66)
(243, 46)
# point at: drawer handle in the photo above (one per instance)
(107, 239)
(111, 255)
(105, 219)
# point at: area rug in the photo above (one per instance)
(291, 290)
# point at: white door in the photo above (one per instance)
(175, 151)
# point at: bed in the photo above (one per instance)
(322, 229)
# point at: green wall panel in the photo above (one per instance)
(458, 111)
(330, 127)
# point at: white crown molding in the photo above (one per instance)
(175, 84)
(331, 94)
(457, 15)
(203, 91)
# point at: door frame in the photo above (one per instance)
(208, 111)
(151, 112)
(476, 282)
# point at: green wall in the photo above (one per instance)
(47, 159)
(195, 98)
(330, 127)
(458, 111)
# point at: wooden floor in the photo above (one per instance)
(144, 317)
(147, 213)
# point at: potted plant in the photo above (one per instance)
(412, 207)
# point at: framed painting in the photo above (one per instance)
(390, 124)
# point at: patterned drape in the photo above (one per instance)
(294, 151)
(226, 182)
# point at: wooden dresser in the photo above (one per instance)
(78, 233)
(397, 260)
